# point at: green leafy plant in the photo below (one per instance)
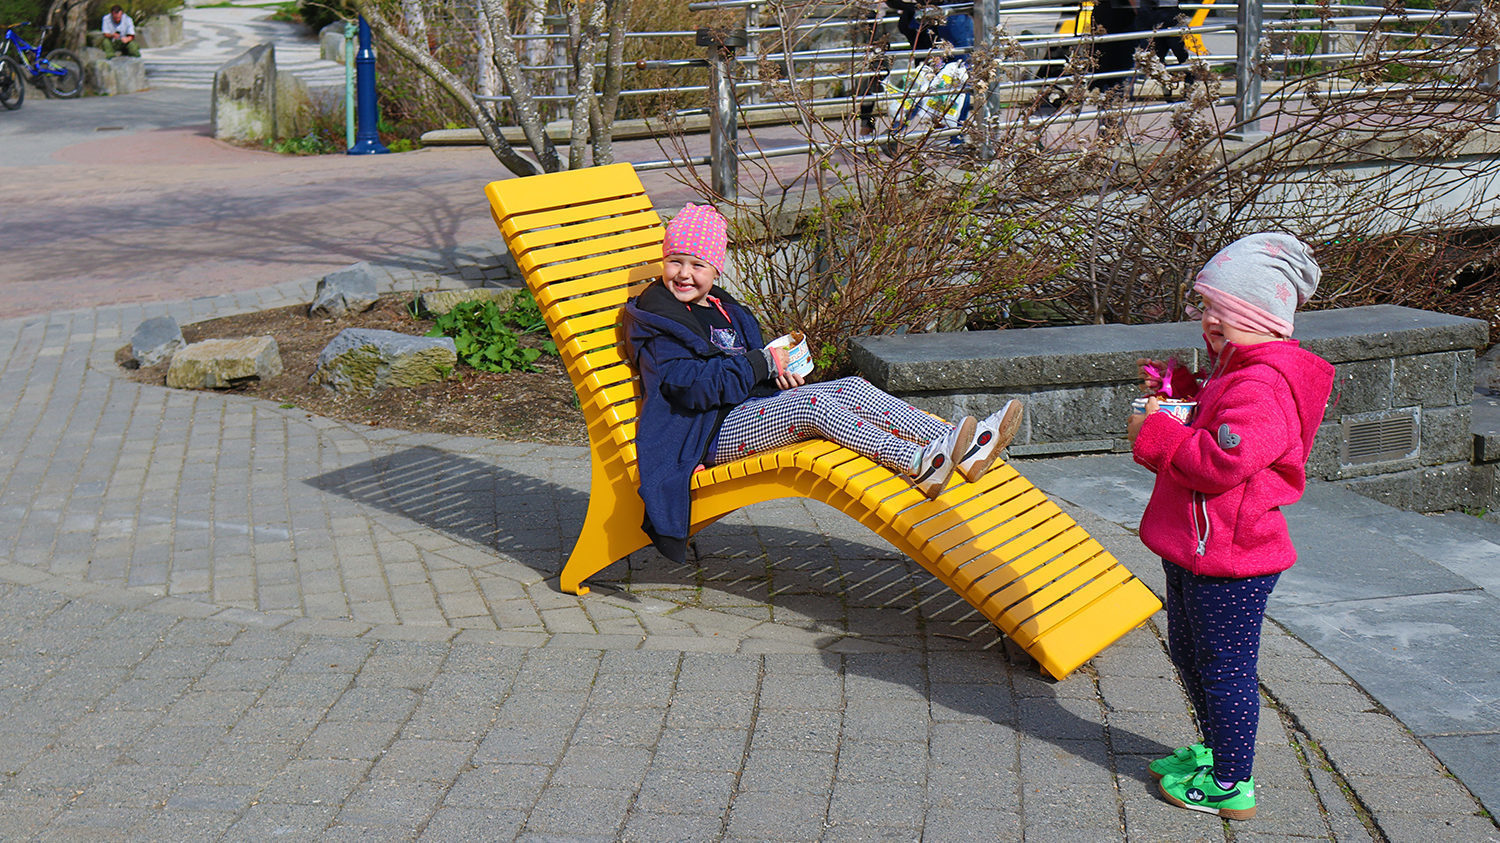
(311, 143)
(524, 315)
(484, 340)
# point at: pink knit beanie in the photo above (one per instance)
(700, 231)
(1259, 281)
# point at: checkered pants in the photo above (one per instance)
(848, 411)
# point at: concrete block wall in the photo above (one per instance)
(1078, 383)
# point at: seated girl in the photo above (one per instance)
(714, 393)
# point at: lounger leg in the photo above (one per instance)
(611, 530)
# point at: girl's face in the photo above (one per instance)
(1218, 332)
(689, 278)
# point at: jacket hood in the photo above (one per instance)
(656, 309)
(1308, 376)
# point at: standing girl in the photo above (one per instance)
(1215, 512)
(712, 392)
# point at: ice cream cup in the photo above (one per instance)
(1180, 410)
(798, 358)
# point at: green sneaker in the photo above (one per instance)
(1198, 791)
(1187, 759)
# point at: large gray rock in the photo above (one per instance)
(129, 73)
(244, 99)
(362, 361)
(331, 41)
(217, 364)
(438, 302)
(294, 108)
(349, 290)
(108, 77)
(155, 340)
(159, 31)
(98, 76)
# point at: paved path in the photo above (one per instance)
(116, 199)
(213, 36)
(223, 619)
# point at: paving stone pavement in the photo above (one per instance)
(214, 35)
(224, 619)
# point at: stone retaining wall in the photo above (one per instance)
(1398, 427)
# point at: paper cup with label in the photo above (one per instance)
(798, 358)
(1180, 410)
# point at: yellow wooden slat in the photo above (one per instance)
(964, 501)
(1092, 625)
(976, 516)
(1036, 626)
(981, 577)
(584, 268)
(981, 498)
(1036, 576)
(520, 196)
(988, 520)
(528, 231)
(627, 219)
(1040, 588)
(569, 256)
(598, 379)
(568, 296)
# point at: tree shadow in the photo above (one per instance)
(886, 622)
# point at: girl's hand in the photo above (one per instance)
(1133, 427)
(1152, 373)
(787, 380)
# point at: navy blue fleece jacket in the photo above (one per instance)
(687, 384)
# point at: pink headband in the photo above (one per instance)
(1244, 315)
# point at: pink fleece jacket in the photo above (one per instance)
(1221, 481)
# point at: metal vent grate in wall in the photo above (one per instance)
(1379, 440)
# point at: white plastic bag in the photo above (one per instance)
(930, 99)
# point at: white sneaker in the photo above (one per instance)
(935, 463)
(991, 437)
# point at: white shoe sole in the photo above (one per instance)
(1010, 425)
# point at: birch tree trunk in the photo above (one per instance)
(587, 38)
(519, 87)
(419, 55)
(414, 22)
(486, 73)
(603, 109)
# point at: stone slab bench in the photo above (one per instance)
(1400, 416)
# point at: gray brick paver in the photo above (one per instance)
(643, 714)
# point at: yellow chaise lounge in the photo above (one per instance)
(586, 240)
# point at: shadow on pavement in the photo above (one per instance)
(951, 657)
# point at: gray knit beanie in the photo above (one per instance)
(1260, 280)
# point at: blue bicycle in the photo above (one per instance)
(12, 83)
(59, 73)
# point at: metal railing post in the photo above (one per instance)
(723, 139)
(1492, 81)
(1247, 32)
(986, 20)
(752, 44)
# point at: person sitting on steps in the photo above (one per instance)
(119, 34)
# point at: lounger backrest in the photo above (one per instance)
(586, 241)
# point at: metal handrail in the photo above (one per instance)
(1249, 25)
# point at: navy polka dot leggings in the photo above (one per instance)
(1213, 636)
(849, 411)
